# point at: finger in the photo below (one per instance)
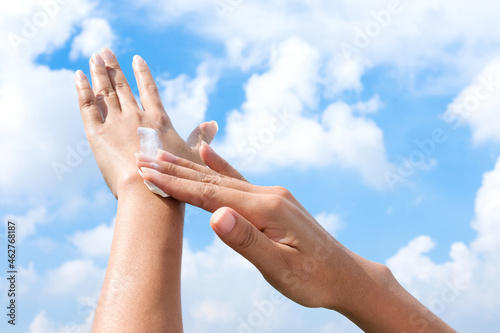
(204, 132)
(217, 163)
(148, 91)
(190, 174)
(117, 79)
(243, 237)
(87, 102)
(207, 196)
(166, 156)
(107, 100)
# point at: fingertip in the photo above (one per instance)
(223, 221)
(80, 77)
(97, 60)
(214, 128)
(207, 154)
(138, 61)
(147, 176)
(206, 147)
(107, 54)
(166, 156)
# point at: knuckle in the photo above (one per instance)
(247, 239)
(105, 92)
(122, 86)
(282, 192)
(211, 179)
(208, 193)
(169, 168)
(87, 104)
(150, 88)
(276, 203)
(161, 118)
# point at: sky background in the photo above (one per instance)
(389, 134)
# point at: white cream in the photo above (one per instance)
(150, 143)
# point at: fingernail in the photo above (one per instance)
(97, 60)
(214, 128)
(223, 221)
(80, 76)
(207, 146)
(144, 158)
(138, 60)
(166, 156)
(107, 54)
(150, 171)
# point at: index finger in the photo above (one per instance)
(148, 91)
(207, 196)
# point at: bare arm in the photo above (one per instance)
(141, 291)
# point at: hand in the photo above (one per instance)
(266, 225)
(111, 117)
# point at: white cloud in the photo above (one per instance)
(487, 219)
(454, 289)
(477, 105)
(166, 12)
(26, 224)
(37, 27)
(96, 34)
(186, 99)
(223, 292)
(41, 118)
(224, 278)
(79, 278)
(407, 39)
(29, 277)
(42, 324)
(331, 222)
(94, 242)
(277, 128)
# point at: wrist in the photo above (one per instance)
(361, 288)
(129, 183)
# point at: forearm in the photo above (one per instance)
(141, 290)
(378, 303)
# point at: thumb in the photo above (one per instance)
(215, 162)
(204, 132)
(243, 237)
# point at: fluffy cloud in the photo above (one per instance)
(331, 222)
(223, 292)
(41, 119)
(26, 224)
(401, 33)
(94, 242)
(186, 99)
(80, 278)
(277, 128)
(454, 289)
(42, 324)
(37, 27)
(96, 34)
(477, 105)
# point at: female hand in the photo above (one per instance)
(266, 225)
(111, 118)
(270, 228)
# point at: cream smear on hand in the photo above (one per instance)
(150, 143)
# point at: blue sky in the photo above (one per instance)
(353, 121)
